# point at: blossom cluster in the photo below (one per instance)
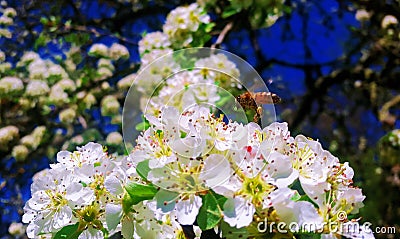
(59, 90)
(6, 20)
(188, 167)
(115, 52)
(203, 84)
(185, 26)
(255, 170)
(394, 138)
(260, 13)
(88, 190)
(161, 78)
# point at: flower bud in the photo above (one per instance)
(27, 58)
(388, 20)
(6, 21)
(109, 105)
(26, 103)
(57, 95)
(5, 67)
(67, 116)
(118, 51)
(67, 84)
(362, 15)
(77, 140)
(38, 133)
(10, 12)
(105, 63)
(89, 100)
(2, 56)
(28, 141)
(5, 33)
(126, 82)
(8, 134)
(104, 73)
(10, 85)
(20, 152)
(36, 88)
(70, 65)
(114, 138)
(56, 71)
(98, 50)
(16, 229)
(105, 86)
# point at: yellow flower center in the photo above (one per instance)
(256, 189)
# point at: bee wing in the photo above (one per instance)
(266, 98)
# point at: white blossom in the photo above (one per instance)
(182, 21)
(10, 84)
(362, 15)
(36, 88)
(2, 56)
(218, 67)
(109, 105)
(10, 12)
(389, 20)
(27, 58)
(5, 20)
(16, 229)
(57, 95)
(67, 116)
(53, 199)
(20, 152)
(8, 134)
(118, 51)
(99, 49)
(127, 81)
(114, 138)
(153, 40)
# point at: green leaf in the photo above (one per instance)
(210, 212)
(44, 20)
(143, 169)
(233, 232)
(40, 41)
(140, 192)
(307, 199)
(77, 39)
(221, 200)
(223, 101)
(142, 126)
(209, 26)
(183, 134)
(296, 197)
(308, 236)
(127, 204)
(229, 12)
(68, 232)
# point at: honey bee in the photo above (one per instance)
(251, 101)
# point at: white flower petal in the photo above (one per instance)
(113, 215)
(187, 210)
(238, 212)
(216, 171)
(127, 229)
(91, 233)
(114, 185)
